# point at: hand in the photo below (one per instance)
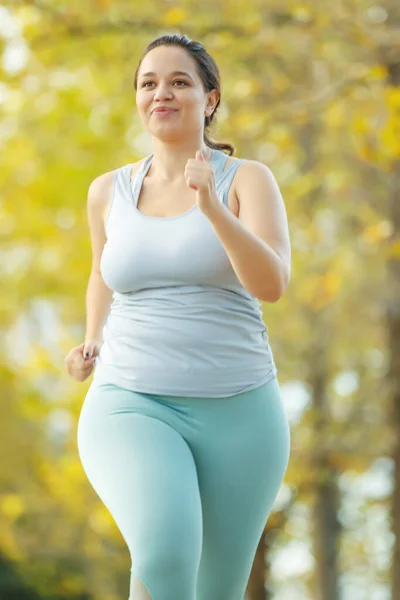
(77, 365)
(199, 176)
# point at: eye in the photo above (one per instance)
(176, 81)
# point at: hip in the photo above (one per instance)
(251, 414)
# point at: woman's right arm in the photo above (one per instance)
(98, 294)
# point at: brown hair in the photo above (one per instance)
(207, 71)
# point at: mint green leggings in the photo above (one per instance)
(190, 482)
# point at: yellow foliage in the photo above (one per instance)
(12, 505)
(335, 114)
(361, 124)
(389, 137)
(331, 283)
(103, 4)
(281, 82)
(376, 232)
(300, 116)
(72, 470)
(252, 22)
(377, 72)
(243, 88)
(37, 362)
(176, 16)
(366, 151)
(9, 543)
(73, 583)
(302, 13)
(308, 288)
(318, 290)
(279, 134)
(100, 520)
(394, 250)
(392, 96)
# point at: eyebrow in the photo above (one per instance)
(150, 73)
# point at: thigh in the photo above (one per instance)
(144, 473)
(241, 465)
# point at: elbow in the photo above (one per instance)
(270, 297)
(279, 296)
(275, 293)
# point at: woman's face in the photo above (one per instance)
(183, 92)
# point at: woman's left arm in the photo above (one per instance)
(257, 242)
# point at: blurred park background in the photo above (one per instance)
(311, 89)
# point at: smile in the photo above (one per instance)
(164, 113)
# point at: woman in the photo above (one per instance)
(183, 434)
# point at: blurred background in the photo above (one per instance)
(311, 89)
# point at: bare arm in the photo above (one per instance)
(98, 294)
(98, 302)
(257, 243)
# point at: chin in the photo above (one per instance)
(167, 134)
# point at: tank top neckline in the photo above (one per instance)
(135, 186)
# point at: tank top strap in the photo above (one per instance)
(218, 159)
(224, 177)
(136, 182)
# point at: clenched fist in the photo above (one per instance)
(78, 366)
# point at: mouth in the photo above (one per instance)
(164, 110)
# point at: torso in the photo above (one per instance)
(162, 201)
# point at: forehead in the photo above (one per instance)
(166, 59)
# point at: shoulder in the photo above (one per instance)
(100, 185)
(253, 167)
(247, 167)
(100, 189)
(255, 173)
(230, 160)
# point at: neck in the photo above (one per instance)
(169, 161)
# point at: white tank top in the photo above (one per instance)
(180, 322)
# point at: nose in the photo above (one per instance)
(162, 91)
